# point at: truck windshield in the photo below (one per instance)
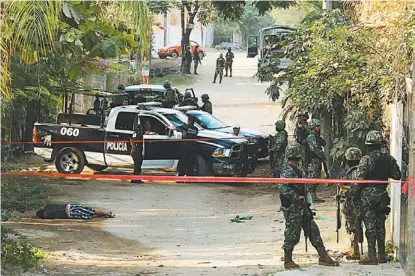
(177, 119)
(208, 121)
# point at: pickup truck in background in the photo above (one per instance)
(100, 145)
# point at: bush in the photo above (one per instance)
(17, 251)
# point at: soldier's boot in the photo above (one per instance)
(288, 260)
(325, 258)
(214, 78)
(230, 73)
(354, 252)
(382, 257)
(220, 79)
(226, 72)
(371, 259)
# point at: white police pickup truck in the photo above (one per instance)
(92, 142)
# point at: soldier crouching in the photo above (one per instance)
(292, 198)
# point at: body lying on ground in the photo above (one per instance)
(71, 211)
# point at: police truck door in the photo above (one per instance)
(117, 146)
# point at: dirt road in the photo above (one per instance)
(185, 229)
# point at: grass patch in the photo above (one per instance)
(175, 80)
(18, 196)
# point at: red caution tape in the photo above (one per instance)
(127, 141)
(198, 179)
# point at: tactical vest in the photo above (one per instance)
(299, 174)
(380, 172)
(308, 153)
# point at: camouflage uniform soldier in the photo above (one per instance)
(229, 61)
(314, 156)
(196, 59)
(292, 200)
(277, 145)
(169, 95)
(220, 63)
(349, 208)
(374, 199)
(301, 132)
(207, 105)
(188, 59)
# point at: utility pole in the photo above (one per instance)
(327, 116)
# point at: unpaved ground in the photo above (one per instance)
(185, 229)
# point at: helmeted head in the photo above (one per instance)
(166, 84)
(229, 49)
(302, 117)
(293, 151)
(374, 137)
(279, 125)
(353, 154)
(221, 55)
(187, 95)
(205, 97)
(314, 123)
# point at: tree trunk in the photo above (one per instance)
(30, 123)
(186, 34)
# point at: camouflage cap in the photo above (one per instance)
(373, 137)
(187, 95)
(293, 150)
(314, 123)
(353, 154)
(279, 125)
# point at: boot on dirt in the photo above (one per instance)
(288, 260)
(371, 259)
(325, 258)
(355, 252)
(382, 257)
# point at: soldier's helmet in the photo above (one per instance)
(187, 95)
(229, 49)
(353, 154)
(314, 123)
(167, 84)
(279, 125)
(293, 150)
(303, 115)
(373, 137)
(221, 55)
(205, 96)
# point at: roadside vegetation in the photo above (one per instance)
(17, 254)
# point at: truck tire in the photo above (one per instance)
(199, 166)
(96, 168)
(70, 160)
(175, 54)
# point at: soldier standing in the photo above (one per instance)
(137, 148)
(169, 95)
(196, 58)
(292, 198)
(301, 132)
(277, 146)
(207, 105)
(374, 199)
(188, 59)
(314, 156)
(188, 148)
(220, 63)
(229, 60)
(188, 101)
(353, 156)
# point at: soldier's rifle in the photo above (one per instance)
(271, 155)
(358, 225)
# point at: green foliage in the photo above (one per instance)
(264, 6)
(333, 70)
(16, 251)
(159, 6)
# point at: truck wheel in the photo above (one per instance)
(199, 166)
(96, 168)
(70, 160)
